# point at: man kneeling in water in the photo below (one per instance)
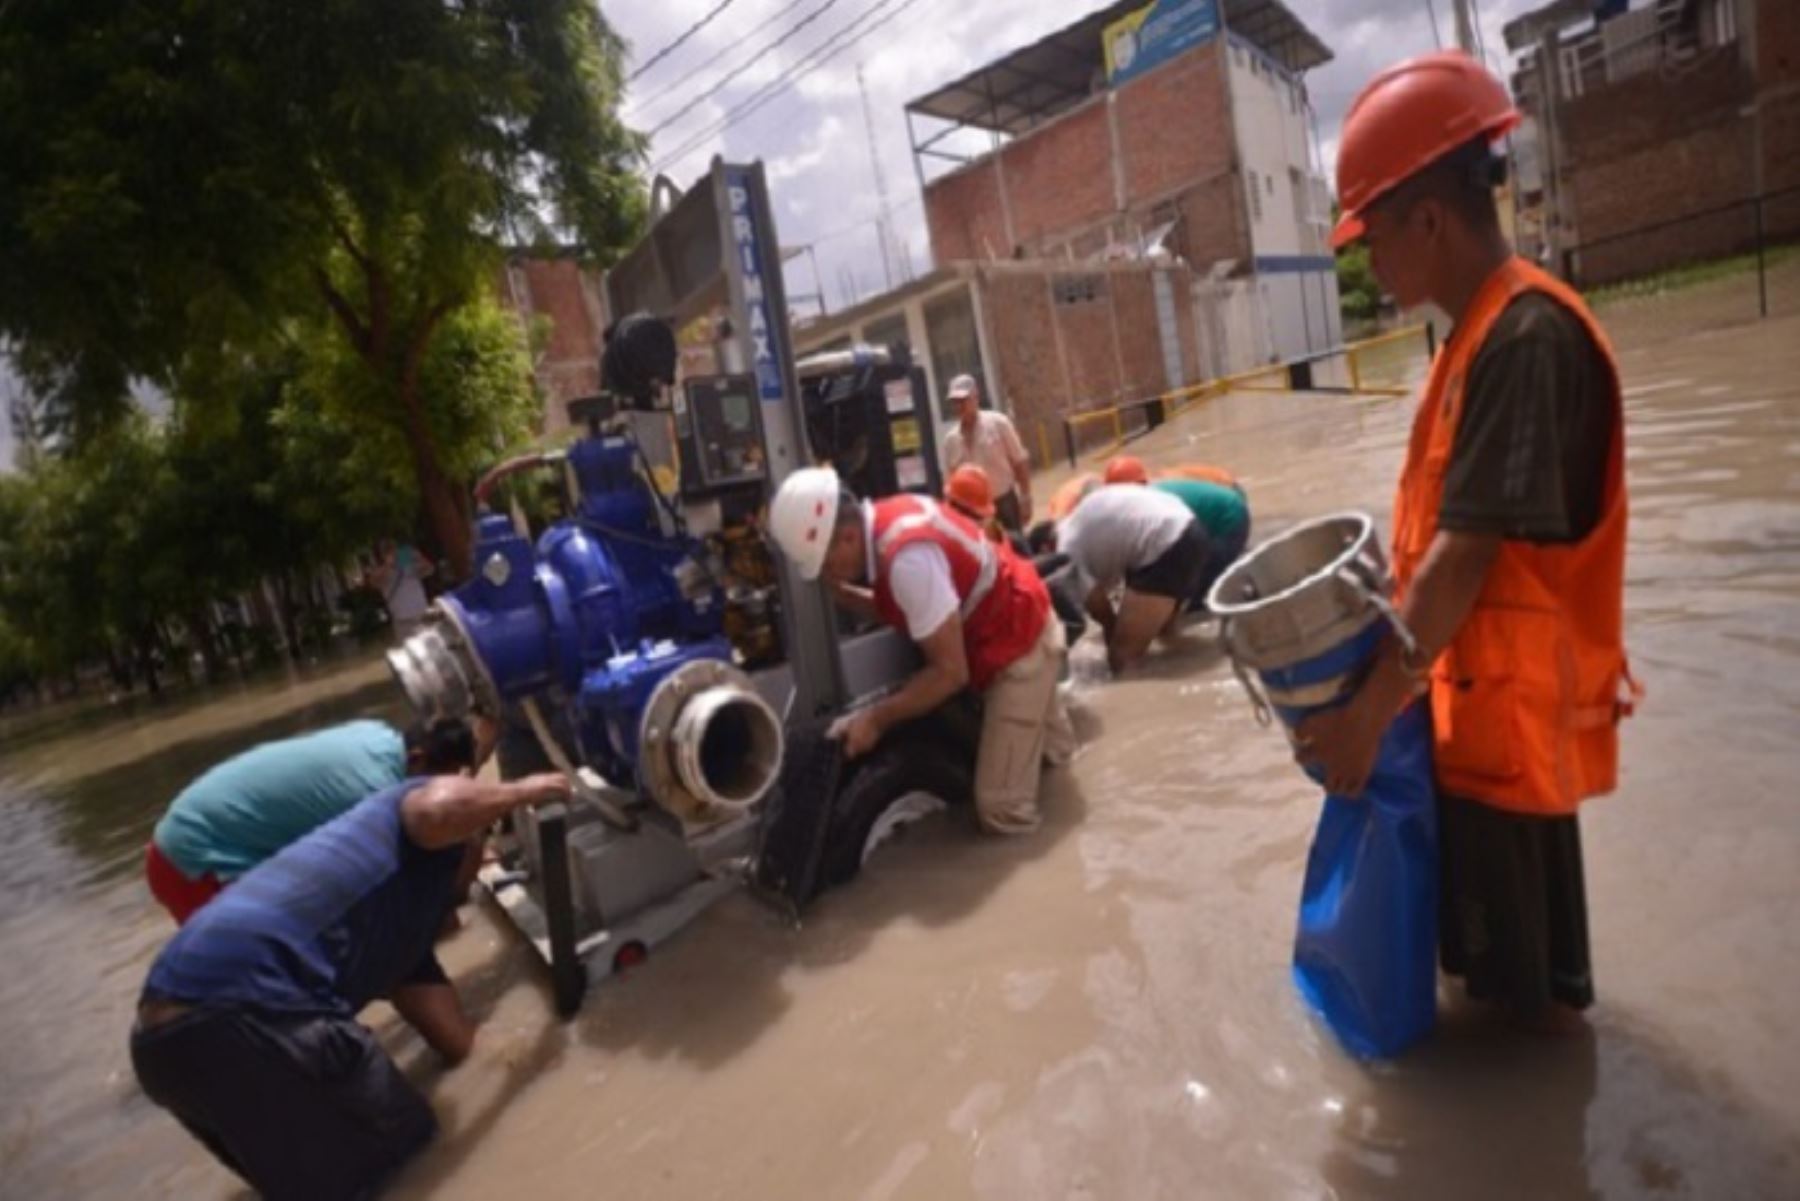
(247, 1028)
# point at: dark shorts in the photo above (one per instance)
(307, 1108)
(1512, 918)
(1221, 553)
(1177, 571)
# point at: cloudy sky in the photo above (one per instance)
(811, 136)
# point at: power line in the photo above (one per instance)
(792, 30)
(722, 53)
(675, 45)
(832, 46)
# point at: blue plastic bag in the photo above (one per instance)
(1365, 954)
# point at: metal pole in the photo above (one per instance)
(1762, 272)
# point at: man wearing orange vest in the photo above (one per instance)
(978, 612)
(1509, 543)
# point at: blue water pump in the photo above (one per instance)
(614, 625)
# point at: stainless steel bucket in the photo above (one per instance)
(1298, 596)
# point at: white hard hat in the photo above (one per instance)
(802, 517)
(961, 386)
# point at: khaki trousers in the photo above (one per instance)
(1024, 723)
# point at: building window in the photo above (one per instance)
(1255, 199)
(1077, 289)
(1237, 55)
(1269, 183)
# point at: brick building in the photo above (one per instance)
(1671, 113)
(1048, 338)
(568, 305)
(1128, 205)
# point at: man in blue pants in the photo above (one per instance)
(246, 1027)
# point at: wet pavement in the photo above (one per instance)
(1102, 1010)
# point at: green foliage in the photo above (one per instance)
(190, 175)
(1359, 296)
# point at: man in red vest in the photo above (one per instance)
(978, 612)
(1509, 543)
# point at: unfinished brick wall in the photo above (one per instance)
(1651, 149)
(1173, 125)
(558, 305)
(1163, 135)
(965, 215)
(1061, 178)
(1025, 365)
(1063, 341)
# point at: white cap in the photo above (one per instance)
(963, 385)
(803, 516)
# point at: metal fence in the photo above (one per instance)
(1728, 263)
(1357, 369)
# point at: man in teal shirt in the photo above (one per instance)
(1225, 516)
(251, 806)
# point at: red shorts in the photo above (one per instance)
(178, 894)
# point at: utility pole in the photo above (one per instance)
(881, 221)
(1465, 30)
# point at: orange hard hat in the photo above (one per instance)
(1408, 117)
(970, 488)
(1127, 469)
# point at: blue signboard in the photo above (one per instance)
(751, 260)
(1154, 34)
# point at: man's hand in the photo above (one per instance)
(544, 788)
(1343, 743)
(859, 732)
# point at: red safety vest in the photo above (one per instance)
(1004, 603)
(1526, 699)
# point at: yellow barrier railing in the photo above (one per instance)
(1270, 378)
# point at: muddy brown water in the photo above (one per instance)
(1102, 1010)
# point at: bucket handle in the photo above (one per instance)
(1259, 701)
(1384, 606)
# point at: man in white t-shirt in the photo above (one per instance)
(978, 612)
(990, 441)
(1146, 540)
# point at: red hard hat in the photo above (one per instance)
(1127, 469)
(970, 488)
(1408, 117)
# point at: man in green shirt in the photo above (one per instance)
(1225, 516)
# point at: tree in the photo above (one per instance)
(1359, 296)
(188, 178)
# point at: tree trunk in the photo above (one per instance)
(446, 509)
(146, 655)
(284, 601)
(199, 624)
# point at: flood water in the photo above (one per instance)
(1102, 1010)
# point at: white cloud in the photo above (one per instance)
(812, 135)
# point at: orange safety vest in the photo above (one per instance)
(1526, 699)
(1004, 604)
(1069, 494)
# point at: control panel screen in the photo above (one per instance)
(720, 428)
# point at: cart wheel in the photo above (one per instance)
(896, 786)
